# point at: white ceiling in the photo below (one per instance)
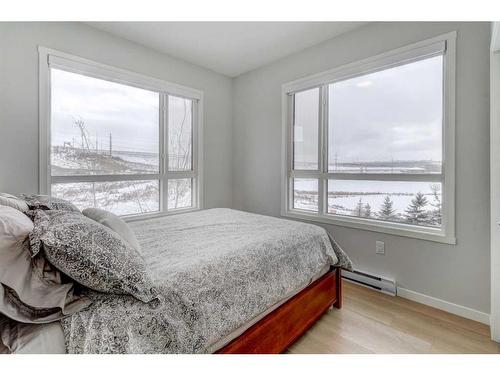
(229, 48)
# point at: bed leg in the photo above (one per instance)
(338, 285)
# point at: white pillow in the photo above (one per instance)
(12, 201)
(31, 290)
(114, 223)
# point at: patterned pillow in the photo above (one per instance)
(46, 202)
(90, 254)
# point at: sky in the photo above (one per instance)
(131, 114)
(393, 114)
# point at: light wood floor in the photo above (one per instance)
(372, 322)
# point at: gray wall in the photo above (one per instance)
(243, 152)
(494, 184)
(19, 98)
(458, 274)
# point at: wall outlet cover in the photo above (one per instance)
(379, 247)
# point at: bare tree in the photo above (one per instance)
(83, 132)
(180, 159)
(90, 162)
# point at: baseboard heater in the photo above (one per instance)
(371, 281)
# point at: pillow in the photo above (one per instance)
(46, 202)
(21, 338)
(115, 223)
(31, 290)
(4, 349)
(12, 201)
(91, 254)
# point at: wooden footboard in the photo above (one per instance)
(279, 329)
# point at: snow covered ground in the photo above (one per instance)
(121, 197)
(344, 196)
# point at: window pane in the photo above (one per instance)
(388, 121)
(119, 197)
(180, 193)
(417, 203)
(305, 194)
(305, 130)
(180, 130)
(100, 127)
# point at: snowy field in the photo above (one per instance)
(345, 197)
(76, 162)
(119, 197)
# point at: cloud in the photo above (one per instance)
(131, 114)
(394, 114)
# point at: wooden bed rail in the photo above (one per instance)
(279, 329)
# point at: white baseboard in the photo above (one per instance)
(453, 308)
(495, 328)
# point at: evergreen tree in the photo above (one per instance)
(368, 210)
(386, 211)
(436, 213)
(416, 213)
(359, 208)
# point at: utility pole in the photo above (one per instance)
(110, 145)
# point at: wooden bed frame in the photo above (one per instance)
(279, 329)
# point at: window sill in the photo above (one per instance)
(154, 215)
(397, 229)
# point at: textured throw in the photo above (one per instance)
(215, 269)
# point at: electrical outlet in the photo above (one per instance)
(379, 247)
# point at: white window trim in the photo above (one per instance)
(52, 58)
(403, 55)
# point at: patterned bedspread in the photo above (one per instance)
(216, 270)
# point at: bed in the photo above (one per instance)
(230, 281)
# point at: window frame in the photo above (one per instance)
(445, 43)
(50, 58)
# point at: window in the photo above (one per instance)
(117, 140)
(366, 145)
